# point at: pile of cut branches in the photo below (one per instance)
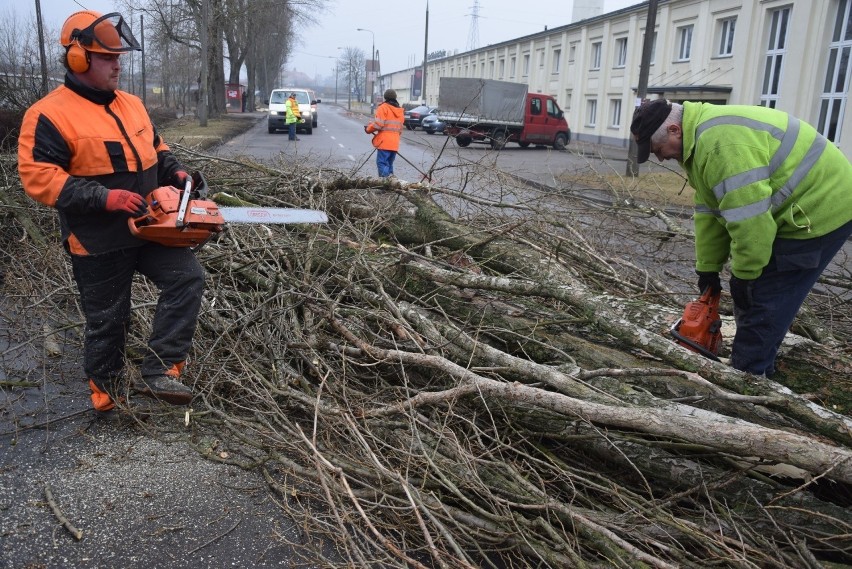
(495, 387)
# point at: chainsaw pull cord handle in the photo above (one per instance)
(184, 201)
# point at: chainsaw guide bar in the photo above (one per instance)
(186, 218)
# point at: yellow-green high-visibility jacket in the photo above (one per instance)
(759, 174)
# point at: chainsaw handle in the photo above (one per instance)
(710, 298)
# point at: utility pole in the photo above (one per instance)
(642, 87)
(425, 54)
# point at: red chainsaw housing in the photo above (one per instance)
(700, 328)
(201, 221)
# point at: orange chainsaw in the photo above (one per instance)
(186, 218)
(700, 328)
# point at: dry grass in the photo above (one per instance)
(658, 187)
(186, 131)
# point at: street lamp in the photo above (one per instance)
(372, 68)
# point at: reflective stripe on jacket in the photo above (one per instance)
(77, 143)
(388, 124)
(292, 110)
(759, 174)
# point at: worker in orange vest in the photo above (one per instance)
(386, 129)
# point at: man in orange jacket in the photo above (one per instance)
(90, 150)
(386, 129)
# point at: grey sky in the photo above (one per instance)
(398, 27)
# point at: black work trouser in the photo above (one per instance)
(104, 282)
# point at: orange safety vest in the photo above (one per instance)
(77, 143)
(388, 123)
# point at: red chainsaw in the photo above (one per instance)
(700, 328)
(187, 218)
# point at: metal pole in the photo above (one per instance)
(425, 52)
(642, 87)
(42, 56)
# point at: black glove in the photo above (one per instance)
(741, 292)
(365, 129)
(711, 280)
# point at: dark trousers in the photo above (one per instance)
(777, 295)
(384, 162)
(291, 130)
(104, 282)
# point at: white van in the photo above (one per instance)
(278, 112)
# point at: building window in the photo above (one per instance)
(835, 90)
(620, 52)
(615, 113)
(591, 112)
(512, 67)
(541, 59)
(491, 69)
(684, 46)
(502, 68)
(726, 36)
(526, 64)
(557, 56)
(572, 53)
(596, 56)
(653, 47)
(778, 24)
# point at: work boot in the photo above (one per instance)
(165, 388)
(102, 400)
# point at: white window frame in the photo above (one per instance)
(595, 61)
(557, 61)
(512, 66)
(684, 42)
(526, 69)
(779, 27)
(838, 75)
(726, 29)
(502, 68)
(591, 112)
(572, 52)
(620, 53)
(615, 113)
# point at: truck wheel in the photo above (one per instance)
(524, 144)
(499, 139)
(560, 142)
(463, 140)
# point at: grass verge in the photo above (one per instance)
(186, 131)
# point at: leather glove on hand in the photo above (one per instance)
(709, 280)
(126, 201)
(741, 292)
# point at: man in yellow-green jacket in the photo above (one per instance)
(772, 196)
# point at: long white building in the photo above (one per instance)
(793, 55)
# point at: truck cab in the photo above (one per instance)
(544, 123)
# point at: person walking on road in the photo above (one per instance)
(293, 116)
(244, 98)
(91, 151)
(772, 196)
(386, 129)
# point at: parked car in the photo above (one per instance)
(415, 115)
(432, 124)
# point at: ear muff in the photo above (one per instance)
(78, 59)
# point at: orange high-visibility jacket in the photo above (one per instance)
(388, 124)
(75, 145)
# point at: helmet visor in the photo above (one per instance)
(108, 34)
